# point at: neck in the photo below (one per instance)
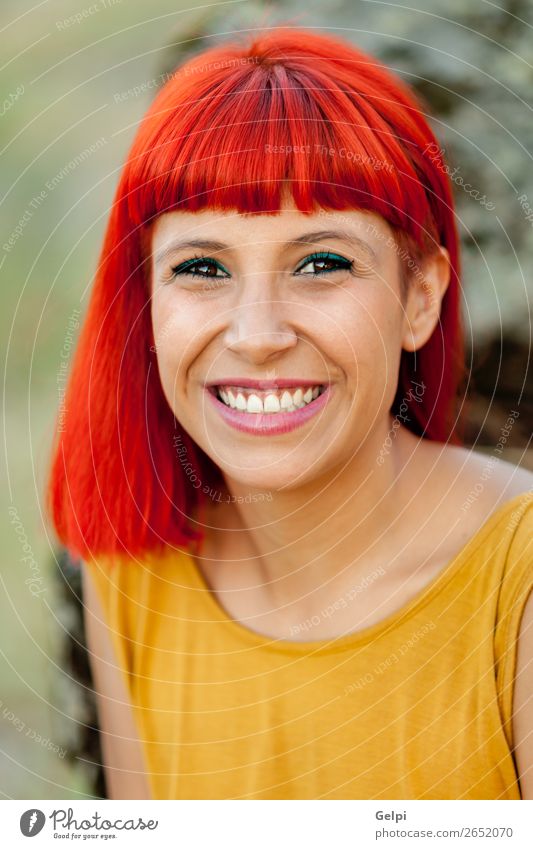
(300, 538)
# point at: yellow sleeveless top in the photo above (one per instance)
(417, 706)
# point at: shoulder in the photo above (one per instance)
(454, 491)
(499, 476)
(131, 590)
(124, 576)
(474, 481)
(484, 486)
(458, 499)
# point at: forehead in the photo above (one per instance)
(287, 223)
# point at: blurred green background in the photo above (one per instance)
(66, 122)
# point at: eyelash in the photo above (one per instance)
(186, 267)
(343, 264)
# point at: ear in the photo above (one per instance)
(426, 288)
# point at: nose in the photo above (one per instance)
(259, 329)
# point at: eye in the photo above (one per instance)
(324, 262)
(200, 266)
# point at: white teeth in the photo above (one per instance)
(270, 403)
(286, 400)
(254, 404)
(298, 398)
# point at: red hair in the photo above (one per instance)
(116, 484)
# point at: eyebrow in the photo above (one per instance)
(305, 238)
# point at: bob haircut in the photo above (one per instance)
(117, 483)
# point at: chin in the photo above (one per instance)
(267, 471)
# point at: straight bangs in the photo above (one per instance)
(242, 139)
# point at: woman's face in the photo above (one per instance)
(278, 337)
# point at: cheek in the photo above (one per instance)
(171, 343)
(182, 331)
(364, 338)
(168, 317)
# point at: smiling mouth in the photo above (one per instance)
(270, 401)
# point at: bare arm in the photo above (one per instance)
(523, 703)
(124, 766)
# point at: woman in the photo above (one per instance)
(297, 583)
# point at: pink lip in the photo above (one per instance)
(269, 424)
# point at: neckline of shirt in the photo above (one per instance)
(362, 635)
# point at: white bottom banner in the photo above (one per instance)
(268, 824)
